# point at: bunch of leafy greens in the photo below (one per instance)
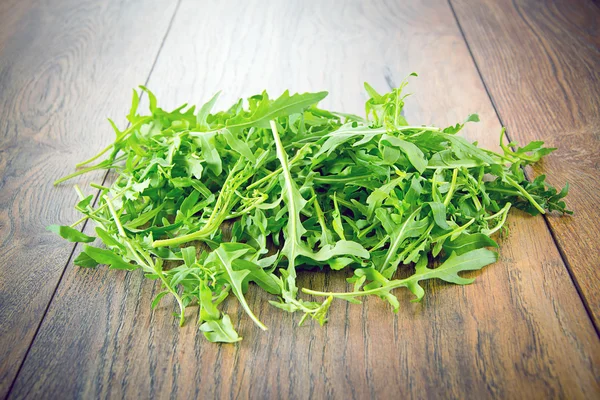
(208, 202)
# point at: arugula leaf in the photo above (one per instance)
(398, 233)
(439, 214)
(220, 330)
(84, 260)
(447, 272)
(283, 106)
(72, 235)
(238, 145)
(204, 112)
(256, 274)
(346, 133)
(412, 152)
(223, 257)
(108, 257)
(468, 242)
(295, 203)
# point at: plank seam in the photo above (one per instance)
(561, 252)
(10, 389)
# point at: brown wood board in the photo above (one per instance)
(520, 330)
(540, 61)
(62, 67)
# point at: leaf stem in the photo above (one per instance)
(452, 188)
(525, 194)
(117, 140)
(115, 216)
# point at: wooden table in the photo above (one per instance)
(528, 327)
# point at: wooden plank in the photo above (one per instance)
(519, 331)
(62, 66)
(541, 64)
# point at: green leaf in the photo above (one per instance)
(83, 260)
(210, 153)
(237, 145)
(472, 118)
(157, 299)
(339, 263)
(412, 152)
(257, 275)
(445, 159)
(464, 149)
(108, 239)
(208, 310)
(372, 92)
(283, 106)
(468, 242)
(194, 167)
(220, 331)
(187, 206)
(189, 255)
(439, 214)
(83, 204)
(340, 248)
(204, 112)
(448, 271)
(144, 218)
(70, 234)
(108, 257)
(223, 258)
(398, 233)
(346, 133)
(337, 220)
(295, 203)
(135, 101)
(455, 129)
(151, 98)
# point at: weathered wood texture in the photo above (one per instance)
(541, 63)
(520, 331)
(63, 65)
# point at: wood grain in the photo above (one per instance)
(520, 331)
(541, 63)
(62, 65)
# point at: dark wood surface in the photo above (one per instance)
(542, 68)
(520, 331)
(63, 65)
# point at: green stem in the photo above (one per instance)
(320, 215)
(255, 203)
(86, 170)
(498, 213)
(452, 188)
(298, 156)
(283, 159)
(368, 229)
(381, 243)
(115, 217)
(117, 140)
(457, 230)
(525, 194)
(396, 241)
(490, 232)
(99, 187)
(96, 210)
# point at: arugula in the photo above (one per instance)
(209, 203)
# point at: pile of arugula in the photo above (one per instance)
(208, 202)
